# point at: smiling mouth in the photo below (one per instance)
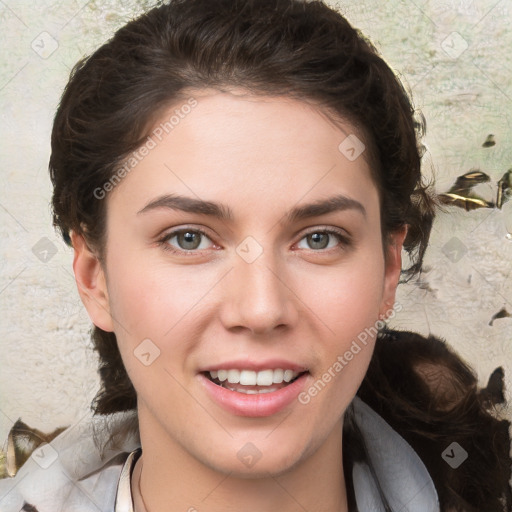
(251, 382)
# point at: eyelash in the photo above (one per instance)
(166, 246)
(343, 238)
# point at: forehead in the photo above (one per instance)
(257, 147)
(280, 123)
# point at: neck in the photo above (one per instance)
(172, 480)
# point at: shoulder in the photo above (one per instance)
(430, 396)
(78, 470)
(385, 472)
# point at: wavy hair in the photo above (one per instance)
(292, 48)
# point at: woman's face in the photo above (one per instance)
(248, 241)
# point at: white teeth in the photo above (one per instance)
(252, 391)
(289, 375)
(252, 378)
(265, 378)
(278, 376)
(233, 376)
(248, 378)
(269, 390)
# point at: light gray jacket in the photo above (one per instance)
(73, 474)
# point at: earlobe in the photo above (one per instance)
(91, 283)
(393, 269)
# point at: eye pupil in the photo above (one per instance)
(187, 237)
(316, 239)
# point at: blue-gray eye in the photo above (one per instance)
(319, 240)
(186, 240)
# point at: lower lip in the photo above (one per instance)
(259, 405)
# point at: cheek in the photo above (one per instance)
(151, 309)
(348, 306)
(150, 299)
(167, 306)
(348, 298)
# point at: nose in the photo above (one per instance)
(258, 298)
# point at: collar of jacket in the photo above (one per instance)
(79, 471)
(394, 479)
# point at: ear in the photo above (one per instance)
(91, 283)
(392, 270)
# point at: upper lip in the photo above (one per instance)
(269, 364)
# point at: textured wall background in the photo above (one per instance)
(455, 58)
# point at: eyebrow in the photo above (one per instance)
(339, 202)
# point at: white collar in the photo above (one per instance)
(124, 500)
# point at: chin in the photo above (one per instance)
(250, 463)
(270, 469)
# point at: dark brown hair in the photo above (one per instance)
(290, 48)
(426, 392)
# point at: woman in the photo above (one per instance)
(238, 180)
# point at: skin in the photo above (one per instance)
(261, 156)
